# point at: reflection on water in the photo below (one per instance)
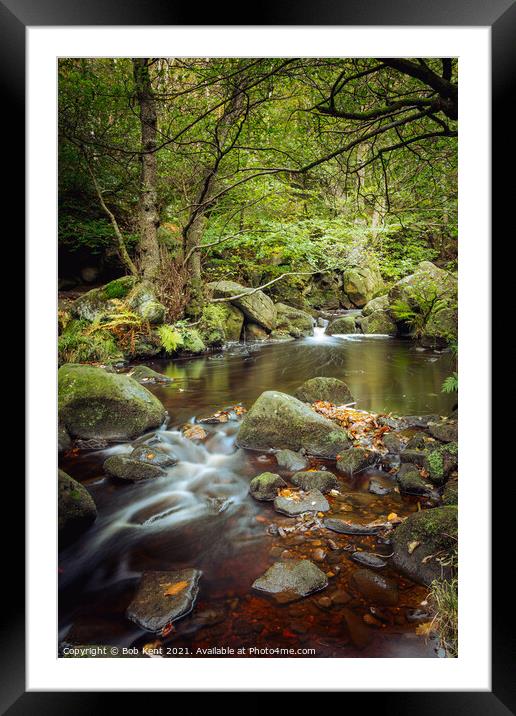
(200, 514)
(384, 374)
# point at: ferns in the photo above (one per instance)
(170, 338)
(75, 346)
(451, 384)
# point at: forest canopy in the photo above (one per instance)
(249, 168)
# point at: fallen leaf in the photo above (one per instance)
(424, 629)
(173, 589)
(167, 629)
(194, 432)
(392, 516)
(412, 546)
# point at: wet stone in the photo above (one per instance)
(153, 456)
(319, 555)
(340, 597)
(312, 501)
(410, 481)
(125, 468)
(368, 559)
(376, 488)
(291, 580)
(418, 616)
(265, 487)
(321, 480)
(355, 459)
(359, 632)
(290, 460)
(164, 597)
(350, 528)
(375, 587)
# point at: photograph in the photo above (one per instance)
(258, 357)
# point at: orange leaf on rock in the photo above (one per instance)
(173, 589)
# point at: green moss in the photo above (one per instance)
(438, 523)
(119, 288)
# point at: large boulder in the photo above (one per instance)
(143, 301)
(219, 323)
(421, 542)
(99, 301)
(342, 325)
(381, 303)
(378, 322)
(279, 421)
(363, 282)
(253, 332)
(76, 509)
(139, 296)
(293, 321)
(428, 286)
(96, 404)
(331, 390)
(257, 306)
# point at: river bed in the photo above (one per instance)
(201, 515)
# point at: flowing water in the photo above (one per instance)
(201, 515)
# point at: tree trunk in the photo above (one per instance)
(148, 248)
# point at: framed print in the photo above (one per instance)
(254, 260)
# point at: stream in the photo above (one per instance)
(201, 515)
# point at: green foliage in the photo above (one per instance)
(451, 384)
(77, 345)
(444, 598)
(170, 338)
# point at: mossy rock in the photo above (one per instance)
(321, 480)
(342, 325)
(257, 306)
(378, 323)
(355, 460)
(97, 404)
(99, 301)
(436, 532)
(144, 374)
(450, 494)
(265, 487)
(293, 321)
(376, 304)
(75, 507)
(132, 470)
(410, 481)
(219, 323)
(441, 462)
(64, 441)
(278, 421)
(331, 390)
(143, 301)
(192, 341)
(362, 283)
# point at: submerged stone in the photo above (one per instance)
(164, 597)
(369, 559)
(376, 588)
(331, 390)
(291, 580)
(351, 528)
(312, 501)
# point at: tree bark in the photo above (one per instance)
(148, 248)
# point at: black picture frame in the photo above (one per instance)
(15, 16)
